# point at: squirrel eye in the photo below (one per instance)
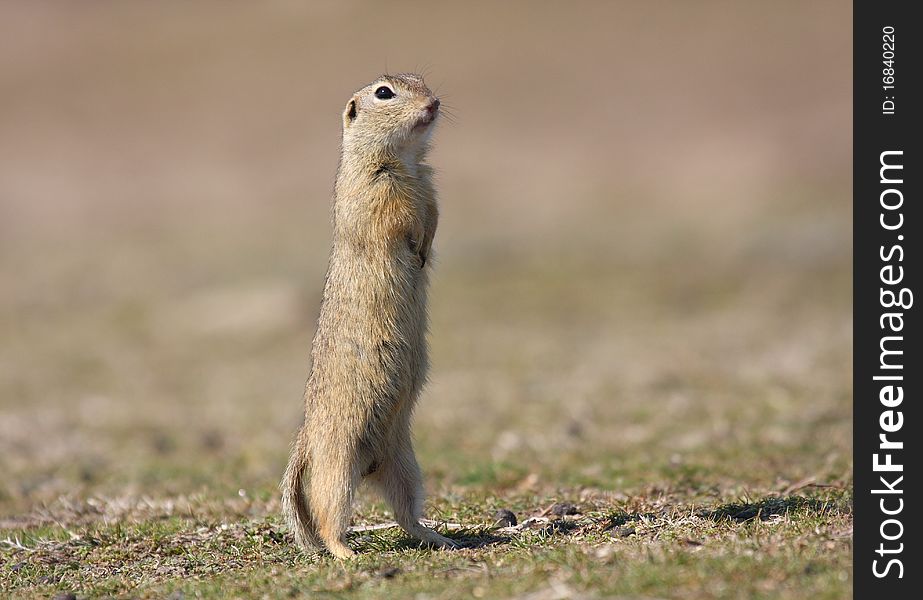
(384, 93)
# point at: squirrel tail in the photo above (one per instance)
(294, 500)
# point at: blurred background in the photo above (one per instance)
(643, 262)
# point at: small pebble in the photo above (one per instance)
(559, 510)
(622, 531)
(505, 518)
(64, 596)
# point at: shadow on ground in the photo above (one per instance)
(767, 508)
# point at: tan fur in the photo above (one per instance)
(369, 353)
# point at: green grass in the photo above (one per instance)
(780, 547)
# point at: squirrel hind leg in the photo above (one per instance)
(400, 482)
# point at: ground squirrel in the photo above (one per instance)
(369, 352)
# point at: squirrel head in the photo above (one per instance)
(393, 115)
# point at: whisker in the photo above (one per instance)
(448, 111)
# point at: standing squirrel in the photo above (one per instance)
(370, 353)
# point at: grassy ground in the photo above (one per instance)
(782, 547)
(640, 304)
(700, 424)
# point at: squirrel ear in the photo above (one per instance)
(350, 113)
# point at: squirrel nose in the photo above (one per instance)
(433, 106)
